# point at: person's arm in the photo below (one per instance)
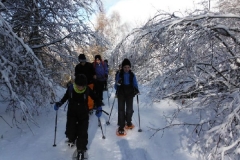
(135, 83)
(96, 99)
(66, 95)
(76, 71)
(105, 69)
(62, 101)
(116, 81)
(92, 69)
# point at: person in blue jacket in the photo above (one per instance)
(127, 87)
(101, 71)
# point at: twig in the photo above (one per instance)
(6, 121)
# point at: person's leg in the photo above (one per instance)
(105, 85)
(90, 100)
(121, 111)
(67, 127)
(129, 110)
(82, 135)
(71, 125)
(97, 88)
(101, 88)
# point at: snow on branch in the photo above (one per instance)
(193, 60)
(24, 84)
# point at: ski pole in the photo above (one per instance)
(108, 97)
(102, 111)
(54, 145)
(139, 130)
(111, 92)
(99, 122)
(66, 106)
(110, 113)
(6, 121)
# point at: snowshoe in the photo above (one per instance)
(121, 132)
(131, 126)
(80, 155)
(70, 143)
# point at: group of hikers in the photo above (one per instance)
(85, 94)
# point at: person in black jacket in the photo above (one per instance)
(88, 70)
(77, 114)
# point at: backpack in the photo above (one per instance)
(70, 90)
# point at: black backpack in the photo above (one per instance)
(70, 90)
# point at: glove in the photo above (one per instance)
(57, 105)
(119, 82)
(98, 112)
(136, 91)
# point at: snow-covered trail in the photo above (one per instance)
(23, 145)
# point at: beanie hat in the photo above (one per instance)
(98, 57)
(126, 62)
(81, 80)
(81, 58)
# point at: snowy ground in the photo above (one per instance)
(24, 145)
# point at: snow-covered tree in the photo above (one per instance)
(54, 29)
(113, 30)
(194, 60)
(229, 6)
(25, 88)
(37, 50)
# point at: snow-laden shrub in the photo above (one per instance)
(195, 60)
(24, 87)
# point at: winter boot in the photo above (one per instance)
(129, 126)
(70, 143)
(121, 132)
(90, 112)
(80, 155)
